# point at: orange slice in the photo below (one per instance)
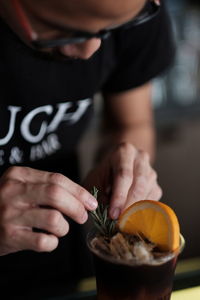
(153, 220)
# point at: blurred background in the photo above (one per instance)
(176, 101)
(177, 111)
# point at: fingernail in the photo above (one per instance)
(114, 213)
(92, 203)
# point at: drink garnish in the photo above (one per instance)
(103, 223)
(154, 221)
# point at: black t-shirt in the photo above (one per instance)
(46, 106)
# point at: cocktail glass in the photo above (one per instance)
(122, 280)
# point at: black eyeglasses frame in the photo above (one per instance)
(150, 11)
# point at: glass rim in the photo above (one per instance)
(157, 262)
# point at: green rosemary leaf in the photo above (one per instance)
(94, 192)
(112, 228)
(95, 215)
(102, 222)
(98, 210)
(105, 215)
(99, 228)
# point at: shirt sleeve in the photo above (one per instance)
(143, 52)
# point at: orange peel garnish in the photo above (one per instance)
(153, 220)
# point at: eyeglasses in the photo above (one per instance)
(150, 11)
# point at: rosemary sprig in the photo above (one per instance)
(105, 225)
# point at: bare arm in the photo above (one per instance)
(129, 118)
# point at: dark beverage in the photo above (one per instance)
(118, 280)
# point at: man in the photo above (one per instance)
(54, 56)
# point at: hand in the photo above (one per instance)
(125, 176)
(30, 199)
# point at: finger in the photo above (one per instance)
(122, 180)
(142, 164)
(40, 242)
(49, 220)
(155, 194)
(25, 174)
(74, 189)
(58, 198)
(141, 188)
(144, 180)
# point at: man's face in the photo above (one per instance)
(54, 19)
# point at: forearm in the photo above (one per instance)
(142, 136)
(129, 118)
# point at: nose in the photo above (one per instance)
(82, 50)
